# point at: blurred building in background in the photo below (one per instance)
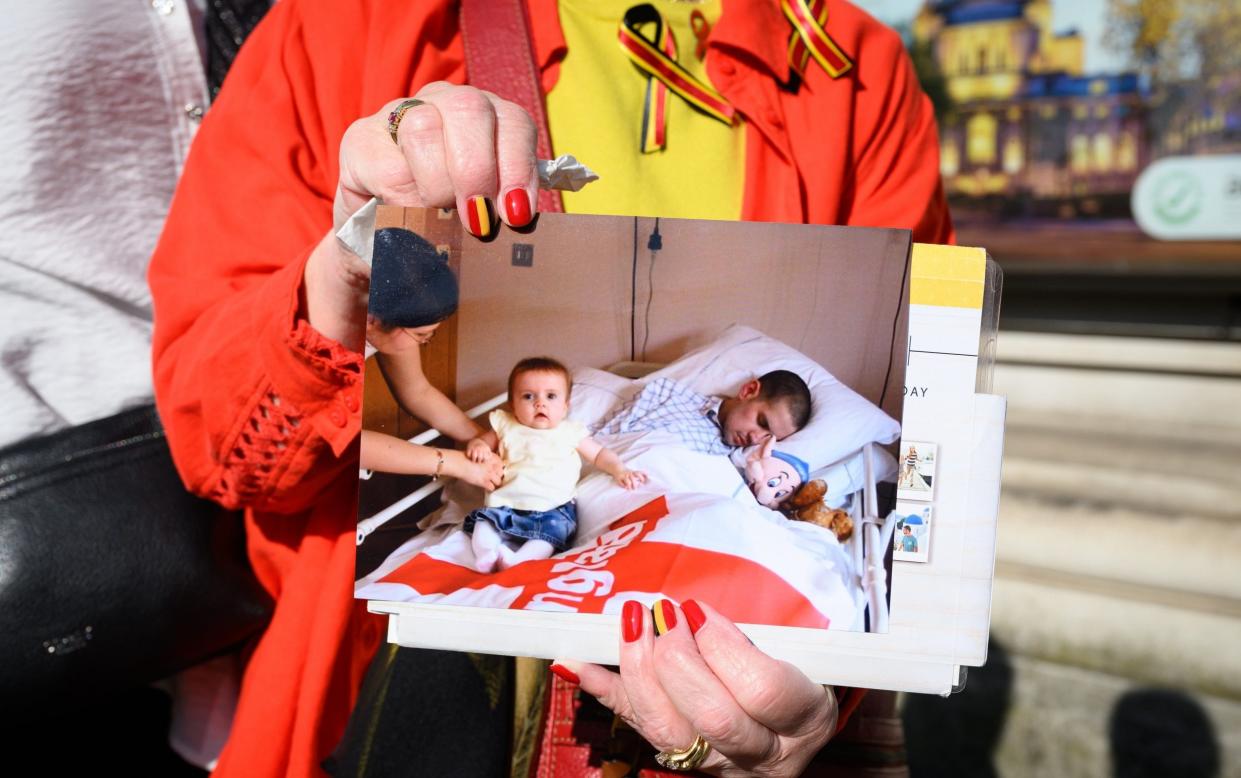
(1027, 131)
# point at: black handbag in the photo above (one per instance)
(112, 575)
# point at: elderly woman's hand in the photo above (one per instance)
(703, 677)
(460, 144)
(461, 147)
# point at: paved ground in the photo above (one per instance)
(1117, 606)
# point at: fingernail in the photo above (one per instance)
(517, 205)
(694, 616)
(480, 216)
(665, 617)
(631, 621)
(567, 674)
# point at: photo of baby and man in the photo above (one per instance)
(609, 408)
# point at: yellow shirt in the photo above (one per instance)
(597, 103)
(541, 467)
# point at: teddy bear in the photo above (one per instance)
(806, 504)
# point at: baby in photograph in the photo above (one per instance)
(532, 515)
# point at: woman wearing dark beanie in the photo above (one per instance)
(411, 283)
(412, 292)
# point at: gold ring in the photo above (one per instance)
(394, 118)
(685, 759)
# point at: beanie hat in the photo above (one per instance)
(411, 283)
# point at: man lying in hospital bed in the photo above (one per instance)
(694, 530)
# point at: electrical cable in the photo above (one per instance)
(899, 298)
(633, 298)
(655, 243)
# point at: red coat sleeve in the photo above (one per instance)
(258, 406)
(895, 144)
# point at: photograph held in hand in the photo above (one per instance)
(657, 409)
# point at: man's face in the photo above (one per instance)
(749, 421)
(540, 399)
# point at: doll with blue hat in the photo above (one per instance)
(781, 481)
(773, 476)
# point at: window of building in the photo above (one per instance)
(1127, 151)
(980, 139)
(1079, 154)
(1014, 153)
(949, 159)
(1102, 152)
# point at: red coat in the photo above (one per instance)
(263, 412)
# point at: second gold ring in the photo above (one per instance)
(685, 759)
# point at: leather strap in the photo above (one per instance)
(499, 57)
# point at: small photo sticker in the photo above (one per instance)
(916, 478)
(911, 542)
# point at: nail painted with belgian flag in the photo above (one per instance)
(481, 216)
(665, 616)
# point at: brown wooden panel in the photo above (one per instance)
(379, 409)
(389, 216)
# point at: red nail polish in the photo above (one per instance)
(694, 616)
(665, 617)
(517, 205)
(479, 215)
(567, 674)
(631, 621)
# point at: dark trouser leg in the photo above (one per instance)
(429, 713)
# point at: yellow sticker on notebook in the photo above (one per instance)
(951, 276)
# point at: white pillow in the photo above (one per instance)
(596, 393)
(841, 420)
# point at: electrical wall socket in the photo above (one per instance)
(523, 255)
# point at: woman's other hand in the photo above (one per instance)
(702, 676)
(461, 147)
(487, 474)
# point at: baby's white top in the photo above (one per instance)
(541, 467)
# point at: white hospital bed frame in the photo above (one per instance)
(871, 535)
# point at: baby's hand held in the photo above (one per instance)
(477, 450)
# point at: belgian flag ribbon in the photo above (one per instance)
(656, 56)
(810, 39)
